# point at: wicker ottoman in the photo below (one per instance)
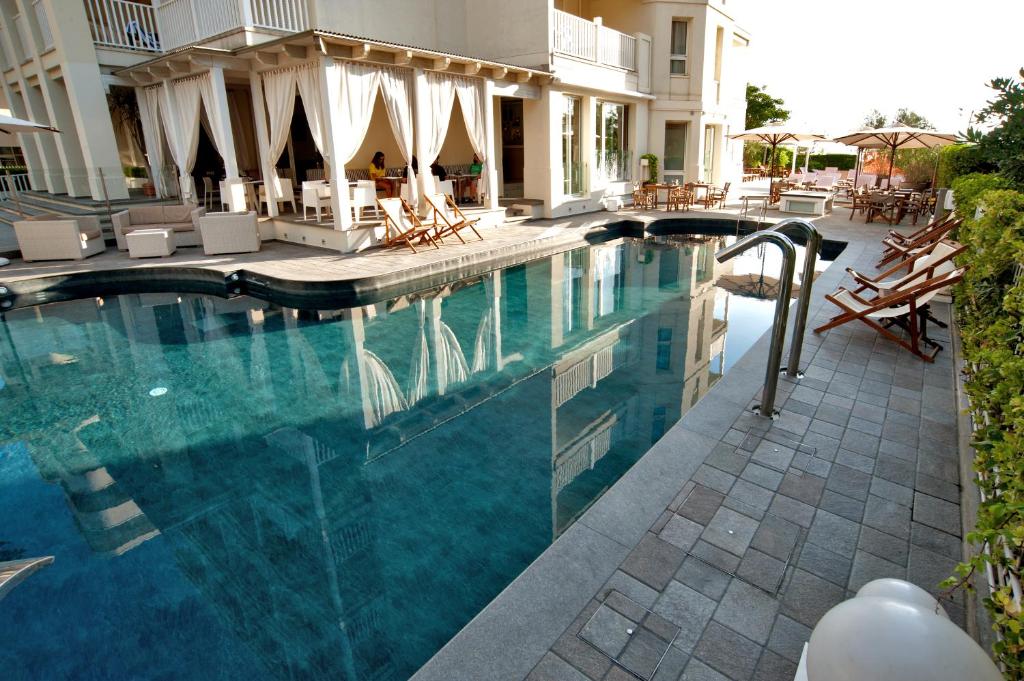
(150, 243)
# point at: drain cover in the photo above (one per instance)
(633, 637)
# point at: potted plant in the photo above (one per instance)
(652, 168)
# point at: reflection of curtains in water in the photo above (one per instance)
(382, 389)
(455, 368)
(259, 370)
(606, 268)
(419, 367)
(483, 346)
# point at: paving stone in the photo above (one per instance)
(826, 428)
(672, 665)
(681, 532)
(928, 570)
(802, 487)
(893, 549)
(825, 564)
(728, 652)
(625, 606)
(937, 463)
(877, 400)
(887, 516)
(835, 533)
(698, 671)
(759, 475)
(824, 446)
(683, 493)
(726, 459)
(720, 558)
(868, 567)
(895, 470)
(937, 488)
(578, 652)
(618, 674)
(880, 487)
(688, 610)
(897, 449)
(720, 481)
(807, 395)
(788, 638)
(942, 433)
(838, 401)
(772, 667)
(747, 610)
(849, 482)
(660, 523)
(630, 587)
(902, 418)
(730, 530)
(833, 414)
(937, 513)
(868, 412)
(935, 541)
(792, 422)
(796, 511)
(842, 505)
(874, 387)
(700, 505)
(900, 432)
(553, 668)
(776, 537)
(807, 597)
(860, 462)
(607, 631)
(818, 466)
(864, 426)
(861, 443)
(761, 570)
(734, 437)
(802, 408)
(705, 578)
(752, 495)
(904, 404)
(773, 455)
(653, 561)
(643, 653)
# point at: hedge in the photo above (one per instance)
(958, 160)
(990, 315)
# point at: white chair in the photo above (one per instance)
(866, 180)
(447, 188)
(207, 192)
(825, 181)
(315, 195)
(284, 191)
(229, 233)
(225, 194)
(364, 195)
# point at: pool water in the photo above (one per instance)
(235, 490)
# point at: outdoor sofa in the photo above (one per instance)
(229, 233)
(182, 219)
(59, 237)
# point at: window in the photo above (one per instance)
(572, 159)
(677, 65)
(611, 132)
(663, 356)
(675, 148)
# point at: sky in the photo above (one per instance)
(834, 61)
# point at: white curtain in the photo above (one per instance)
(396, 84)
(455, 368)
(436, 107)
(279, 91)
(308, 81)
(182, 115)
(419, 366)
(382, 389)
(215, 127)
(149, 112)
(354, 106)
(471, 99)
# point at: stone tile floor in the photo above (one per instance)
(857, 479)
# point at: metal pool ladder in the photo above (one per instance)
(782, 301)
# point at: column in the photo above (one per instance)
(491, 150)
(330, 78)
(259, 114)
(53, 167)
(69, 148)
(221, 118)
(796, 152)
(33, 163)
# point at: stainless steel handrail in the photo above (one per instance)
(796, 343)
(771, 376)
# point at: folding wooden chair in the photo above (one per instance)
(929, 262)
(906, 308)
(448, 219)
(398, 215)
(898, 248)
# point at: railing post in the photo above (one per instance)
(806, 284)
(245, 12)
(195, 21)
(598, 22)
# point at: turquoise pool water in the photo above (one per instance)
(235, 490)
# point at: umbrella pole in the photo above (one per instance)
(892, 160)
(856, 168)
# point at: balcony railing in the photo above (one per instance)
(591, 41)
(183, 22)
(123, 24)
(44, 24)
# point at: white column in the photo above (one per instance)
(331, 92)
(53, 170)
(421, 121)
(492, 156)
(796, 152)
(58, 108)
(259, 114)
(222, 119)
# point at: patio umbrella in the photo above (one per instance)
(752, 285)
(12, 125)
(775, 134)
(896, 138)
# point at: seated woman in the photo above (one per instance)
(378, 173)
(475, 169)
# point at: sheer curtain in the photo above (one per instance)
(353, 106)
(279, 92)
(182, 116)
(214, 126)
(149, 112)
(471, 99)
(435, 105)
(308, 81)
(396, 85)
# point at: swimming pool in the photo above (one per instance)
(233, 489)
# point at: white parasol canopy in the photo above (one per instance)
(897, 138)
(775, 134)
(10, 124)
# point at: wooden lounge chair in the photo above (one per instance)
(401, 224)
(927, 263)
(900, 248)
(906, 308)
(13, 572)
(448, 219)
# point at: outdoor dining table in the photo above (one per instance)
(460, 183)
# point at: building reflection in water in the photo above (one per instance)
(346, 488)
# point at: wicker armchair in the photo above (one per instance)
(58, 237)
(229, 233)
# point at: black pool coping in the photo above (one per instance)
(344, 293)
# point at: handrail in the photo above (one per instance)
(796, 344)
(771, 375)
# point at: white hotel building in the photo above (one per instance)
(560, 98)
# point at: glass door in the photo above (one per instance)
(572, 157)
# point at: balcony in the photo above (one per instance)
(591, 41)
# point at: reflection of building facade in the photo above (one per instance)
(371, 452)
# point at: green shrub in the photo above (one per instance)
(652, 167)
(967, 191)
(841, 161)
(990, 314)
(958, 160)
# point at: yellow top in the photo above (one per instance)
(376, 173)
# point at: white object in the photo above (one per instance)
(58, 237)
(806, 203)
(612, 203)
(229, 233)
(904, 592)
(284, 193)
(363, 196)
(316, 195)
(397, 86)
(150, 243)
(4, 261)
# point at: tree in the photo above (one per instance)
(1003, 145)
(911, 119)
(762, 108)
(124, 109)
(875, 119)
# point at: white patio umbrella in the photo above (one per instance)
(20, 126)
(896, 138)
(775, 134)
